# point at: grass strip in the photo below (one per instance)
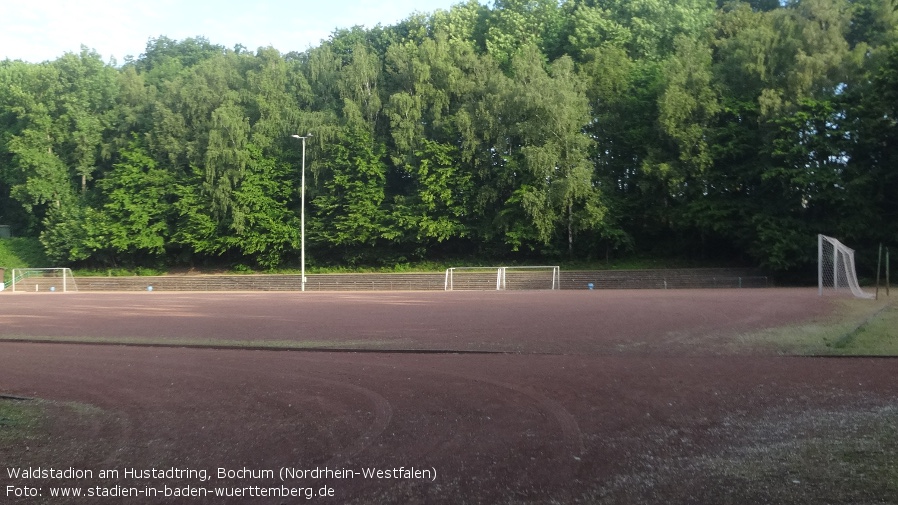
(852, 328)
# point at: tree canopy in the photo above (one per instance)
(523, 131)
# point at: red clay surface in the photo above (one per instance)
(565, 322)
(600, 386)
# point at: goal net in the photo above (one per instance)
(502, 278)
(43, 280)
(835, 268)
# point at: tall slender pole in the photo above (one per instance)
(302, 212)
(302, 218)
(878, 269)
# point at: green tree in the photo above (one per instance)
(269, 229)
(166, 58)
(688, 105)
(350, 215)
(624, 97)
(88, 94)
(131, 222)
(433, 205)
(514, 24)
(463, 22)
(32, 172)
(780, 71)
(359, 86)
(592, 27)
(654, 25)
(547, 112)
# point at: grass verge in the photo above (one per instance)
(21, 252)
(875, 336)
(853, 328)
(19, 420)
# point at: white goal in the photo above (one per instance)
(502, 278)
(835, 268)
(43, 280)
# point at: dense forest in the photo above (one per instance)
(526, 131)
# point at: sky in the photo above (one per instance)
(41, 30)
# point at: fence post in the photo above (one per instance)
(878, 269)
(819, 264)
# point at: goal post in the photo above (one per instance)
(43, 279)
(835, 268)
(503, 278)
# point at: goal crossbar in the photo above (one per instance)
(484, 278)
(43, 279)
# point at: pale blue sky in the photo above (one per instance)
(40, 30)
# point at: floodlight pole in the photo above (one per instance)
(302, 212)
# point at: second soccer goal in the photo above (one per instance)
(503, 278)
(43, 279)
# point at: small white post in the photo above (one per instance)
(820, 264)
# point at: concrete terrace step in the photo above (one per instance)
(315, 282)
(601, 279)
(682, 278)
